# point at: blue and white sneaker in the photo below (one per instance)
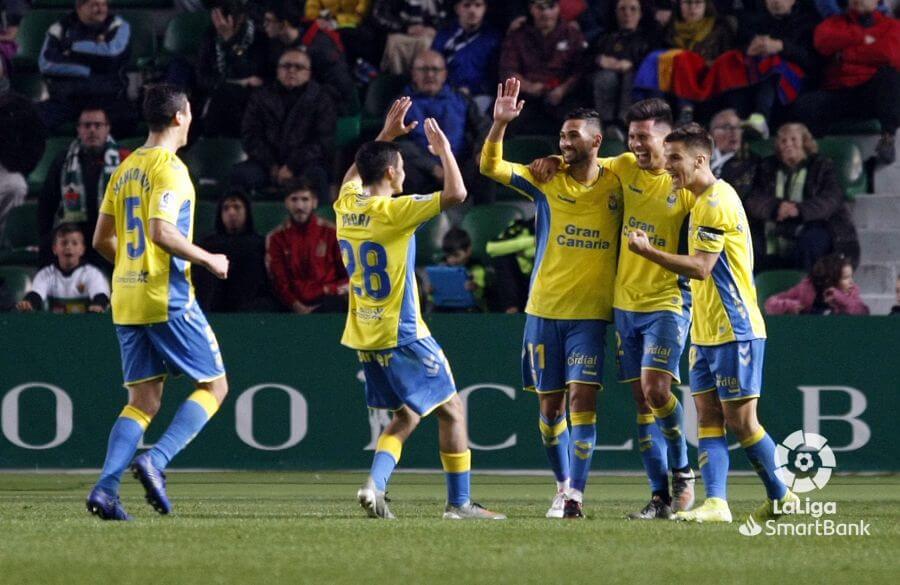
(105, 505)
(154, 482)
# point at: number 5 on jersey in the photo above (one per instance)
(373, 261)
(134, 223)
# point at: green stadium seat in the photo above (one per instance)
(348, 128)
(428, 240)
(30, 85)
(484, 222)
(845, 127)
(55, 145)
(204, 219)
(773, 282)
(143, 39)
(267, 215)
(15, 281)
(184, 33)
(30, 37)
(382, 91)
(848, 162)
(763, 147)
(612, 147)
(20, 238)
(209, 161)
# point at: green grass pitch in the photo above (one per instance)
(272, 528)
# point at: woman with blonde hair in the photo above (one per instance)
(797, 206)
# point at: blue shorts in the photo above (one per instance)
(650, 341)
(733, 369)
(557, 352)
(184, 344)
(416, 375)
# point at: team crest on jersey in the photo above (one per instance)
(612, 203)
(166, 201)
(670, 200)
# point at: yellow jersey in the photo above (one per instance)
(577, 238)
(378, 245)
(725, 306)
(149, 285)
(653, 205)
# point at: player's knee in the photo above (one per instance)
(657, 389)
(553, 406)
(407, 418)
(217, 387)
(452, 410)
(149, 405)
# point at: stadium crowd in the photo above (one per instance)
(292, 87)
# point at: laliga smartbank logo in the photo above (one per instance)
(804, 463)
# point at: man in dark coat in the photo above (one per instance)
(288, 129)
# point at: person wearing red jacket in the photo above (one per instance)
(862, 74)
(828, 290)
(303, 257)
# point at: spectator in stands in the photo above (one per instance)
(616, 56)
(471, 49)
(11, 13)
(512, 257)
(862, 77)
(288, 129)
(782, 29)
(546, 55)
(732, 160)
(344, 17)
(13, 189)
(83, 61)
(797, 206)
(68, 285)
(457, 248)
(432, 97)
(828, 290)
(697, 27)
(247, 287)
(282, 22)
(76, 182)
(303, 257)
(231, 63)
(410, 26)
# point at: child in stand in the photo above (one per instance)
(68, 285)
(828, 290)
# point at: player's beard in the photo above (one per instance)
(574, 157)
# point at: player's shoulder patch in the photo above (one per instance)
(167, 201)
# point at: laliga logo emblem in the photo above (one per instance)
(805, 461)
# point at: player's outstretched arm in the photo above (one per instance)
(394, 127)
(507, 108)
(166, 236)
(697, 266)
(454, 191)
(105, 237)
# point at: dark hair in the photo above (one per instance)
(654, 109)
(826, 272)
(241, 195)
(64, 229)
(229, 7)
(694, 136)
(161, 102)
(589, 115)
(301, 183)
(455, 240)
(374, 158)
(94, 108)
(286, 11)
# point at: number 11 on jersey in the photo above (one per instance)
(372, 258)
